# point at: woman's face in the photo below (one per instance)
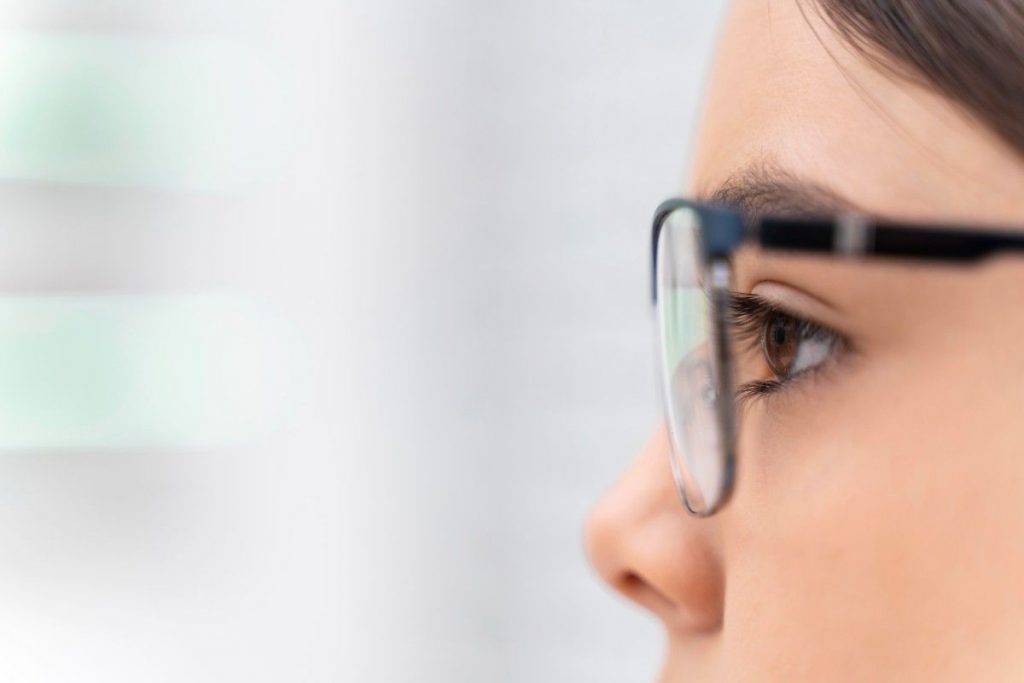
(876, 529)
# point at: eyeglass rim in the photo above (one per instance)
(718, 272)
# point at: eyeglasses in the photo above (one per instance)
(692, 243)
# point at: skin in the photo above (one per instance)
(875, 527)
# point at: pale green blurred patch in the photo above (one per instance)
(82, 371)
(185, 113)
(685, 313)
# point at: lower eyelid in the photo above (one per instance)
(747, 392)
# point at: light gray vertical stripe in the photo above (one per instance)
(853, 235)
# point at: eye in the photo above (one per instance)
(788, 345)
(791, 346)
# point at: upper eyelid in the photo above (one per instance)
(743, 302)
(797, 301)
(752, 310)
(743, 305)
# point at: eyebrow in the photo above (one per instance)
(765, 188)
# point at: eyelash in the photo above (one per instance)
(750, 314)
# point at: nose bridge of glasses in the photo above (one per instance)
(722, 230)
(719, 231)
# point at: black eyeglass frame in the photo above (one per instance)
(722, 229)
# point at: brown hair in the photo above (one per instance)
(970, 51)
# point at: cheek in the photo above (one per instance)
(873, 509)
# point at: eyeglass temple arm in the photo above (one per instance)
(854, 236)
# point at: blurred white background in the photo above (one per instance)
(325, 324)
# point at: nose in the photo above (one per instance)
(645, 545)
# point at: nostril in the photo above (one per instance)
(639, 590)
(631, 581)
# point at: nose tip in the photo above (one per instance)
(604, 539)
(644, 545)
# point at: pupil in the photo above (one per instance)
(779, 333)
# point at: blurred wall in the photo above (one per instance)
(546, 135)
(325, 324)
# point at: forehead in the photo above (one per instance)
(785, 89)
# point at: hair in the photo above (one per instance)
(970, 51)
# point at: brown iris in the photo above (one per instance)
(780, 339)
